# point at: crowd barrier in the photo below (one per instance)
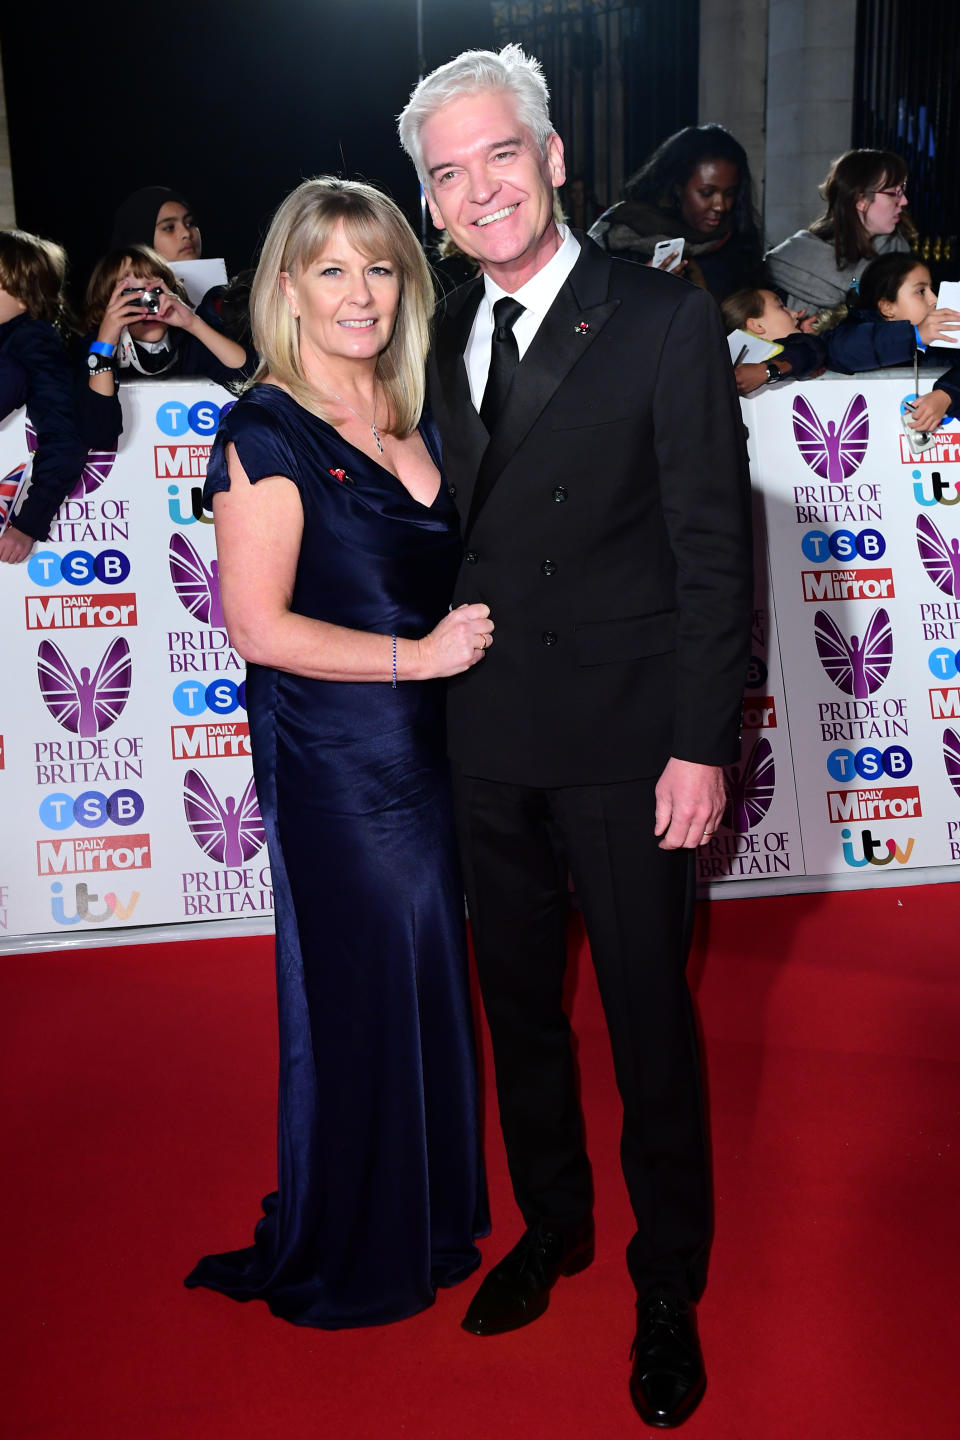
(125, 779)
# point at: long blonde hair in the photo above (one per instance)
(375, 226)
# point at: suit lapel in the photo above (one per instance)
(567, 331)
(465, 431)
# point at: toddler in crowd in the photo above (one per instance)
(35, 371)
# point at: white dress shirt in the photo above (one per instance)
(536, 296)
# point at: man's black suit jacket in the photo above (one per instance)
(606, 524)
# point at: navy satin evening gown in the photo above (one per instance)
(380, 1188)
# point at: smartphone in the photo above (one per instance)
(664, 248)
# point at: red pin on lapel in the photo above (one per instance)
(581, 329)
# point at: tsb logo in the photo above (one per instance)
(222, 697)
(869, 763)
(174, 418)
(944, 663)
(843, 545)
(110, 567)
(92, 809)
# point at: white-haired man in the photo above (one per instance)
(592, 439)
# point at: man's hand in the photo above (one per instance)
(690, 802)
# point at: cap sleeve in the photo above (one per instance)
(262, 448)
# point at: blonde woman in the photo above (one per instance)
(338, 549)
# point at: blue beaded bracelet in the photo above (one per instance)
(101, 347)
(394, 662)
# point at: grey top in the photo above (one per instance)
(804, 267)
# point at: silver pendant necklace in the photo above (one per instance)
(372, 423)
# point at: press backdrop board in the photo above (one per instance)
(125, 777)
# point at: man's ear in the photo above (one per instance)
(555, 160)
(435, 216)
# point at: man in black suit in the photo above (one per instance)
(593, 442)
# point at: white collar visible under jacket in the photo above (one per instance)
(536, 296)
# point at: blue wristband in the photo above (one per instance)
(920, 344)
(101, 347)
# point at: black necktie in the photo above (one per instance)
(504, 359)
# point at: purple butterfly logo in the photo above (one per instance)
(951, 757)
(750, 788)
(84, 704)
(95, 471)
(197, 584)
(940, 559)
(832, 454)
(230, 833)
(855, 669)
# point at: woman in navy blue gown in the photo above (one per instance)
(338, 548)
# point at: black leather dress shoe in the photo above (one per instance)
(518, 1289)
(668, 1379)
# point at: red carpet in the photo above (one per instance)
(138, 1124)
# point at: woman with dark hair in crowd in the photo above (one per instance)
(158, 217)
(35, 372)
(697, 186)
(865, 216)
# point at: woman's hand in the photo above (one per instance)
(929, 410)
(667, 263)
(121, 309)
(14, 545)
(940, 325)
(461, 639)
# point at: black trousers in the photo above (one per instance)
(517, 846)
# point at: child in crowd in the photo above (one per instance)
(35, 371)
(158, 217)
(139, 324)
(762, 313)
(898, 315)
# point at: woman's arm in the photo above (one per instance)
(259, 530)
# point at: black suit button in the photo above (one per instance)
(471, 557)
(549, 637)
(451, 490)
(560, 494)
(548, 567)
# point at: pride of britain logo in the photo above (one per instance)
(857, 668)
(196, 583)
(86, 703)
(229, 831)
(750, 788)
(835, 454)
(941, 558)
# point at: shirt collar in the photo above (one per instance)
(540, 291)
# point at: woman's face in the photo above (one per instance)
(346, 302)
(709, 195)
(176, 236)
(880, 210)
(915, 298)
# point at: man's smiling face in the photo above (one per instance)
(490, 187)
